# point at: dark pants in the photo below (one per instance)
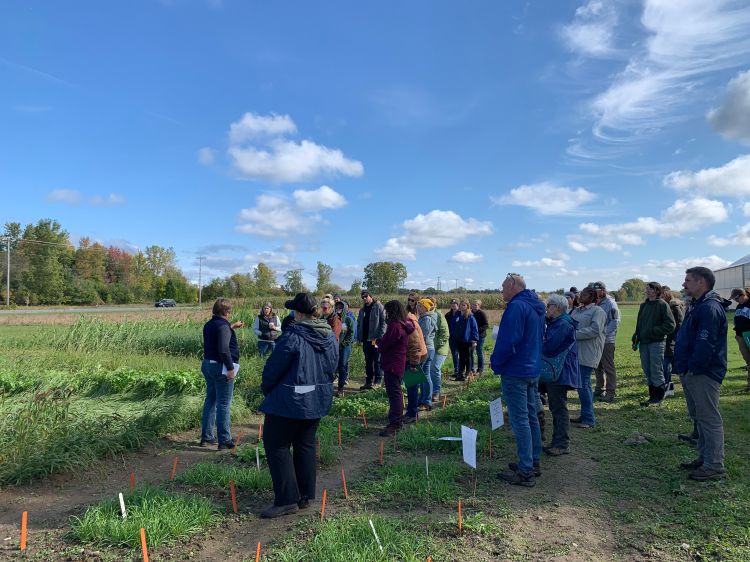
(557, 394)
(395, 398)
(464, 358)
(372, 363)
(293, 475)
(479, 364)
(343, 368)
(453, 344)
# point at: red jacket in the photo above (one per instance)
(392, 346)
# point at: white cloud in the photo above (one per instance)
(206, 156)
(318, 199)
(69, 196)
(592, 31)
(109, 201)
(259, 150)
(732, 119)
(746, 209)
(436, 229)
(466, 257)
(680, 265)
(731, 180)
(547, 198)
(740, 237)
(274, 217)
(686, 41)
(252, 126)
(544, 262)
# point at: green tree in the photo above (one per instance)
(48, 253)
(384, 277)
(324, 277)
(160, 259)
(635, 289)
(293, 282)
(265, 279)
(356, 287)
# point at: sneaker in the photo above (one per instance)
(424, 407)
(598, 392)
(389, 430)
(303, 503)
(537, 469)
(366, 387)
(575, 420)
(410, 419)
(207, 442)
(227, 445)
(669, 391)
(278, 510)
(704, 473)
(608, 398)
(517, 479)
(584, 426)
(692, 465)
(556, 451)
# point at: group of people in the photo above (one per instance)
(542, 349)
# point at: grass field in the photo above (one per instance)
(71, 394)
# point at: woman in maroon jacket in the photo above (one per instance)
(392, 347)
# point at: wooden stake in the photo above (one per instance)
(257, 553)
(343, 478)
(475, 486)
(339, 434)
(323, 508)
(364, 418)
(460, 519)
(445, 399)
(132, 480)
(260, 432)
(381, 452)
(24, 521)
(174, 467)
(233, 493)
(490, 445)
(144, 548)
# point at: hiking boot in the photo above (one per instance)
(517, 479)
(410, 419)
(207, 442)
(227, 445)
(607, 398)
(598, 392)
(278, 510)
(537, 469)
(389, 430)
(556, 451)
(692, 465)
(703, 473)
(366, 387)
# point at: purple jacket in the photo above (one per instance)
(392, 346)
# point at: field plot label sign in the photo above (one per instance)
(469, 439)
(496, 413)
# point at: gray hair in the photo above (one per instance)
(517, 280)
(559, 301)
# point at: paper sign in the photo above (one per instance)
(469, 438)
(236, 369)
(304, 389)
(449, 439)
(495, 331)
(496, 413)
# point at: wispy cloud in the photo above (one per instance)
(732, 118)
(35, 72)
(548, 199)
(592, 32)
(74, 197)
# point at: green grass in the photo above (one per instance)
(407, 483)
(329, 450)
(165, 516)
(218, 475)
(349, 537)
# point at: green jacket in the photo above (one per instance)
(441, 335)
(655, 322)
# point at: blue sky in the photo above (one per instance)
(569, 141)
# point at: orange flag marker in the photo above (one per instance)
(460, 519)
(343, 478)
(260, 432)
(323, 508)
(381, 452)
(144, 548)
(257, 553)
(24, 521)
(132, 480)
(233, 493)
(174, 467)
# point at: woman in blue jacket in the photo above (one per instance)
(466, 336)
(298, 387)
(560, 337)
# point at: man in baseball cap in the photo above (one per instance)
(606, 374)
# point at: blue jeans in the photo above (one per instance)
(265, 347)
(425, 389)
(219, 392)
(521, 396)
(436, 373)
(343, 368)
(454, 354)
(586, 395)
(668, 370)
(479, 364)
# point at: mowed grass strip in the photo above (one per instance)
(407, 483)
(166, 516)
(349, 537)
(218, 475)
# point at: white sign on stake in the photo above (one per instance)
(469, 438)
(496, 413)
(376, 536)
(257, 458)
(122, 507)
(427, 466)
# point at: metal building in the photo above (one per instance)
(734, 276)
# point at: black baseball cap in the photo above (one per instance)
(599, 285)
(303, 303)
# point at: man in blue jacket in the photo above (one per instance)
(297, 384)
(516, 358)
(700, 356)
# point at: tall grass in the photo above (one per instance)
(219, 474)
(165, 516)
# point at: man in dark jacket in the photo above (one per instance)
(482, 325)
(298, 387)
(516, 358)
(453, 316)
(700, 356)
(370, 327)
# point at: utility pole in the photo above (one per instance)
(438, 287)
(456, 283)
(7, 273)
(200, 280)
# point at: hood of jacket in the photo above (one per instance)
(408, 325)
(532, 299)
(313, 330)
(713, 295)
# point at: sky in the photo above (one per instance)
(569, 141)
